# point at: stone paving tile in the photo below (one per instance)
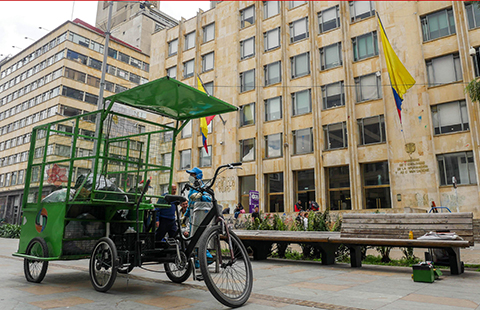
(411, 305)
(446, 301)
(39, 289)
(267, 302)
(319, 286)
(168, 302)
(61, 303)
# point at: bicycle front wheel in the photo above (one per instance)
(227, 271)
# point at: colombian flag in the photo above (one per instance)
(204, 121)
(400, 79)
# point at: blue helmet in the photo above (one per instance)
(197, 172)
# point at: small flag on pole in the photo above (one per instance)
(400, 78)
(204, 121)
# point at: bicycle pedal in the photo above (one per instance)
(171, 241)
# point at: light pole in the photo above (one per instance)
(28, 38)
(44, 29)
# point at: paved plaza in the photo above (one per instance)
(278, 284)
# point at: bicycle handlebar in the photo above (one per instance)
(208, 189)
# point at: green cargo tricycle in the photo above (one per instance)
(92, 186)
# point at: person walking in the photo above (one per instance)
(166, 218)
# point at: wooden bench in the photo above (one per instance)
(393, 230)
(373, 230)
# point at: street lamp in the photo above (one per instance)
(28, 38)
(17, 47)
(44, 29)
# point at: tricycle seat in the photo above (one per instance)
(174, 199)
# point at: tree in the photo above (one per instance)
(473, 90)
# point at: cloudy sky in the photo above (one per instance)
(20, 19)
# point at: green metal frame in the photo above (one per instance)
(165, 97)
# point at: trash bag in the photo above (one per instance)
(59, 196)
(102, 184)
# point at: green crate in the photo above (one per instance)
(423, 273)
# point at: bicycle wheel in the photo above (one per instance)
(229, 280)
(35, 270)
(180, 270)
(102, 267)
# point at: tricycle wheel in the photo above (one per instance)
(103, 265)
(225, 267)
(35, 270)
(179, 271)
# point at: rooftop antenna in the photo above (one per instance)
(73, 8)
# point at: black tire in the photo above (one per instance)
(230, 282)
(35, 270)
(179, 272)
(103, 265)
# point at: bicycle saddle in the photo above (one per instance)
(174, 198)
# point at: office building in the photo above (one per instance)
(317, 119)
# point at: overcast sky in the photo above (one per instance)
(20, 19)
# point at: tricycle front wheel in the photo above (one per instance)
(35, 270)
(103, 265)
(180, 270)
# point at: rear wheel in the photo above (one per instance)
(180, 270)
(35, 270)
(102, 267)
(226, 270)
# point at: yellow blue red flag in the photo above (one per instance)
(400, 78)
(204, 121)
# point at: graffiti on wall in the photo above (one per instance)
(452, 201)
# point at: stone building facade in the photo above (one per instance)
(56, 77)
(317, 118)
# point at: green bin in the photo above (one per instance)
(423, 273)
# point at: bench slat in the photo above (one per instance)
(401, 242)
(413, 221)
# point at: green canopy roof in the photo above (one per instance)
(173, 99)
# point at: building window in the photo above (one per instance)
(450, 117)
(274, 192)
(271, 39)
(459, 165)
(365, 46)
(172, 72)
(247, 16)
(72, 93)
(300, 65)
(302, 141)
(273, 145)
(339, 188)
(247, 184)
(333, 95)
(247, 114)
(329, 19)
(247, 80)
(305, 186)
(209, 32)
(331, 56)
(473, 14)
(168, 135)
(173, 47)
(247, 150)
(294, 4)
(270, 8)
(247, 48)
(273, 109)
(205, 159)
(190, 40)
(299, 30)
(437, 25)
(72, 56)
(444, 69)
(476, 61)
(376, 187)
(301, 102)
(368, 87)
(187, 130)
(335, 136)
(361, 9)
(188, 68)
(209, 89)
(185, 159)
(207, 62)
(372, 130)
(272, 73)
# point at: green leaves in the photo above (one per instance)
(10, 231)
(473, 90)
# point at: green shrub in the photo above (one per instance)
(10, 231)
